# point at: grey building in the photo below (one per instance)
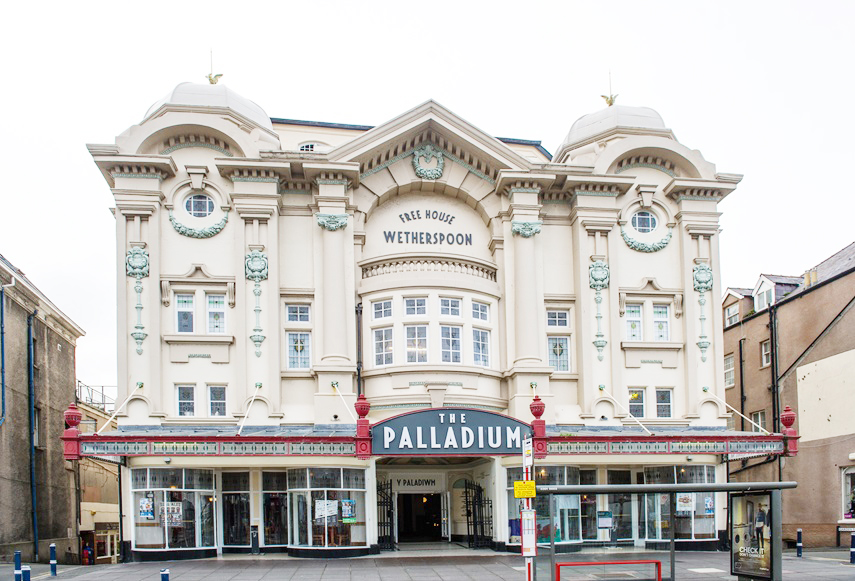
(38, 498)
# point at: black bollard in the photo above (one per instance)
(164, 575)
(798, 542)
(17, 565)
(852, 550)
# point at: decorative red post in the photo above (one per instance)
(791, 436)
(363, 428)
(71, 436)
(537, 408)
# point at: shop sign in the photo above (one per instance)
(605, 519)
(525, 489)
(173, 514)
(751, 535)
(686, 502)
(348, 511)
(147, 507)
(448, 432)
(326, 508)
(417, 219)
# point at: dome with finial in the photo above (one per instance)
(616, 116)
(211, 96)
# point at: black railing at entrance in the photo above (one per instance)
(385, 516)
(479, 516)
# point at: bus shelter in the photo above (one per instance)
(747, 560)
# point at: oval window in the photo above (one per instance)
(644, 221)
(200, 205)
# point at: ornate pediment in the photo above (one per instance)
(198, 275)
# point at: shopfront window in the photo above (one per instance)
(330, 510)
(173, 508)
(567, 525)
(275, 506)
(849, 493)
(236, 508)
(695, 511)
(620, 505)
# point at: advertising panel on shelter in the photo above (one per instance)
(449, 432)
(751, 535)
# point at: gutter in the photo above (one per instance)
(3, 349)
(31, 396)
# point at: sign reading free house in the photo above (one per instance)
(448, 432)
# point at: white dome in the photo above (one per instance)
(208, 95)
(610, 118)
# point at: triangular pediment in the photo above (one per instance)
(430, 122)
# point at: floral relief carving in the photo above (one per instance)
(644, 246)
(526, 229)
(256, 270)
(428, 152)
(702, 276)
(598, 277)
(208, 232)
(332, 222)
(136, 266)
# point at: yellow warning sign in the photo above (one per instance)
(524, 489)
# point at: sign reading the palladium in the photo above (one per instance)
(448, 431)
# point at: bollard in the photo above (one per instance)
(53, 559)
(25, 573)
(17, 565)
(164, 575)
(852, 550)
(798, 542)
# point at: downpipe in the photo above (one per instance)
(3, 350)
(31, 396)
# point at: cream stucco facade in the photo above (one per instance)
(271, 271)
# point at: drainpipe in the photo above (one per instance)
(776, 403)
(358, 349)
(3, 349)
(741, 385)
(31, 396)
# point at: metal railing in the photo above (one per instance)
(96, 396)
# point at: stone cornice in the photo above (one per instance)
(332, 171)
(254, 170)
(508, 181)
(145, 167)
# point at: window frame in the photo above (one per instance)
(480, 308)
(307, 347)
(659, 320)
(212, 401)
(383, 303)
(419, 307)
(445, 310)
(482, 354)
(417, 351)
(632, 319)
(209, 311)
(642, 391)
(558, 358)
(390, 342)
(179, 310)
(651, 217)
(190, 206)
(731, 369)
(556, 320)
(731, 312)
(765, 353)
(179, 401)
(298, 312)
(669, 403)
(759, 417)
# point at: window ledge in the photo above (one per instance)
(297, 374)
(191, 338)
(651, 345)
(432, 368)
(200, 420)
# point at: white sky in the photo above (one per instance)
(756, 86)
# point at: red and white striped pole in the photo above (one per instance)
(528, 520)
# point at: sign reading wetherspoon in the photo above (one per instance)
(416, 218)
(449, 431)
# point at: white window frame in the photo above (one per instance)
(763, 300)
(661, 324)
(304, 356)
(209, 311)
(481, 347)
(418, 306)
(37, 427)
(480, 311)
(633, 317)
(449, 304)
(552, 342)
(179, 401)
(420, 354)
(212, 401)
(731, 315)
(669, 403)
(758, 417)
(652, 219)
(766, 353)
(210, 205)
(847, 503)
(729, 370)
(297, 313)
(559, 319)
(179, 310)
(385, 309)
(385, 341)
(452, 342)
(641, 392)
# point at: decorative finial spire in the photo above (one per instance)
(212, 78)
(610, 98)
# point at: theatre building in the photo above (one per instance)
(334, 338)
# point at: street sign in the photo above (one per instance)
(528, 452)
(528, 530)
(524, 489)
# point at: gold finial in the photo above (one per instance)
(610, 98)
(212, 78)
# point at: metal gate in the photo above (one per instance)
(479, 516)
(385, 516)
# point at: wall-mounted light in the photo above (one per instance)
(139, 385)
(334, 384)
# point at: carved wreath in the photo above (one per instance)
(643, 246)
(199, 232)
(428, 152)
(137, 262)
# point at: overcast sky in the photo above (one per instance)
(759, 87)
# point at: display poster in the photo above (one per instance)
(686, 502)
(326, 508)
(709, 505)
(147, 508)
(348, 511)
(528, 529)
(605, 519)
(750, 535)
(173, 514)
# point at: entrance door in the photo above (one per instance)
(419, 518)
(385, 513)
(446, 519)
(479, 515)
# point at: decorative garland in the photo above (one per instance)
(598, 279)
(428, 152)
(256, 271)
(136, 265)
(702, 277)
(208, 232)
(643, 246)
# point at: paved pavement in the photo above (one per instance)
(429, 566)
